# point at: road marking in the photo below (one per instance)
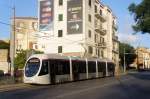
(93, 88)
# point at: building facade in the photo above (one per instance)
(25, 33)
(84, 28)
(143, 58)
(4, 54)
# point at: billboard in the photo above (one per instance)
(74, 16)
(46, 15)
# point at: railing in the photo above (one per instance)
(102, 45)
(99, 29)
(115, 38)
(115, 27)
(100, 16)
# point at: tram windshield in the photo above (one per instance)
(32, 67)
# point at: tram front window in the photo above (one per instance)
(32, 67)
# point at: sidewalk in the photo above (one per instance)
(4, 88)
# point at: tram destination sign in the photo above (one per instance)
(74, 16)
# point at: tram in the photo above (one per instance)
(53, 68)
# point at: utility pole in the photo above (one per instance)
(137, 60)
(124, 67)
(12, 42)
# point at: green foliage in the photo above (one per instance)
(4, 45)
(1, 73)
(141, 14)
(21, 57)
(130, 53)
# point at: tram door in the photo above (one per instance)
(52, 71)
(75, 68)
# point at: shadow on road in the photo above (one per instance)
(144, 75)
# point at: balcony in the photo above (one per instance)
(100, 30)
(115, 51)
(101, 45)
(115, 38)
(100, 16)
(115, 27)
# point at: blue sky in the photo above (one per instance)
(119, 7)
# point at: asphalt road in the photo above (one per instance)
(131, 86)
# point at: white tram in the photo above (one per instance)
(52, 69)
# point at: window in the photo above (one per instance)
(89, 33)
(79, 66)
(91, 66)
(100, 11)
(44, 68)
(98, 53)
(60, 2)
(95, 38)
(60, 17)
(59, 49)
(90, 50)
(101, 66)
(32, 67)
(102, 54)
(89, 18)
(95, 9)
(111, 67)
(62, 67)
(101, 40)
(90, 3)
(60, 33)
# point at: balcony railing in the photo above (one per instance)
(115, 51)
(115, 38)
(101, 45)
(115, 27)
(100, 30)
(100, 16)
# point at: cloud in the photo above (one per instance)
(126, 32)
(128, 38)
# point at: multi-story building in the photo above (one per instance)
(4, 53)
(143, 58)
(84, 28)
(25, 33)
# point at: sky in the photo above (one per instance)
(119, 8)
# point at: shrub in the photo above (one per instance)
(1, 73)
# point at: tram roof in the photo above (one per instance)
(58, 56)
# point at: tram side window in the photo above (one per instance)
(82, 67)
(79, 66)
(44, 68)
(101, 66)
(91, 67)
(62, 67)
(111, 66)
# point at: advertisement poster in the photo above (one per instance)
(74, 16)
(46, 15)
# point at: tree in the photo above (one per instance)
(4, 45)
(141, 14)
(21, 57)
(130, 54)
